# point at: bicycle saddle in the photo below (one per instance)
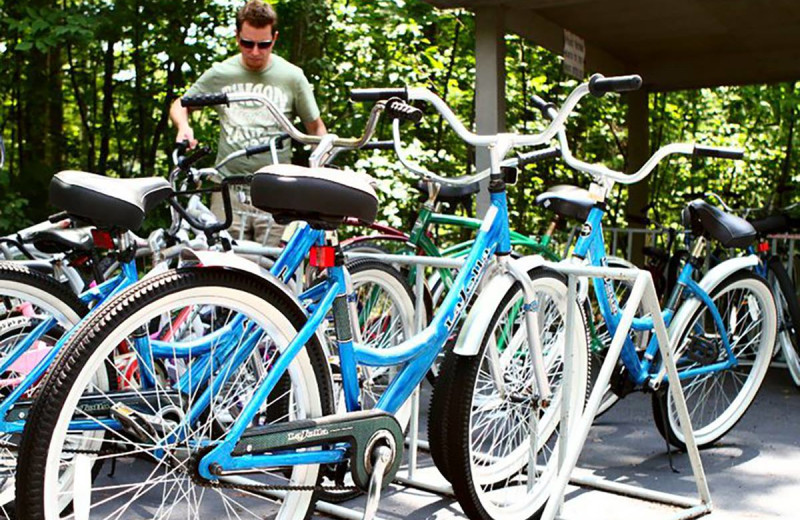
(106, 201)
(323, 197)
(450, 193)
(730, 230)
(53, 241)
(567, 201)
(771, 224)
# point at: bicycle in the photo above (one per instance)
(37, 311)
(197, 445)
(721, 327)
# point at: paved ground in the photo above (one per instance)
(754, 474)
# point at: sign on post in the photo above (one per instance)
(574, 54)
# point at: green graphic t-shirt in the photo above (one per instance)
(248, 124)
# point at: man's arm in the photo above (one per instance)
(180, 118)
(316, 127)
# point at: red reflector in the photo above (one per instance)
(102, 239)
(763, 247)
(322, 256)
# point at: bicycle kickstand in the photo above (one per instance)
(382, 455)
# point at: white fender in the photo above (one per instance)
(232, 261)
(471, 334)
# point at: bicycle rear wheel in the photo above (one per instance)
(226, 330)
(788, 316)
(718, 399)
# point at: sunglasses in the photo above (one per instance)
(249, 44)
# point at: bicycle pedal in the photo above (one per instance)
(361, 431)
(381, 457)
(145, 427)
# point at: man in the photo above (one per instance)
(254, 69)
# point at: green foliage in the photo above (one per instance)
(112, 69)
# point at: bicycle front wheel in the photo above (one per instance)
(718, 398)
(202, 339)
(504, 441)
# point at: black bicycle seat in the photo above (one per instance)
(450, 193)
(54, 241)
(730, 230)
(567, 201)
(106, 201)
(772, 224)
(320, 196)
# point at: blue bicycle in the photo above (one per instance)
(36, 312)
(211, 436)
(722, 328)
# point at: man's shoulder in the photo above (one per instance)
(286, 67)
(233, 63)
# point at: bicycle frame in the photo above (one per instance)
(591, 243)
(416, 354)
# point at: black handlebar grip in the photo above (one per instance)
(599, 85)
(538, 155)
(398, 109)
(542, 106)
(718, 152)
(281, 139)
(378, 94)
(187, 162)
(379, 145)
(257, 149)
(58, 217)
(205, 100)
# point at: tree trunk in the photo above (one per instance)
(108, 103)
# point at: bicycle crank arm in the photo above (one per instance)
(363, 431)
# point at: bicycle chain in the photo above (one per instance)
(200, 481)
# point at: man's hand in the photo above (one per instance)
(185, 133)
(180, 118)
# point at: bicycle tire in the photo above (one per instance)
(789, 317)
(709, 430)
(48, 297)
(478, 478)
(98, 337)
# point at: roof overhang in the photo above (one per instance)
(672, 44)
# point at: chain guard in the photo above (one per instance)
(362, 431)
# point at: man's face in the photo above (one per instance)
(255, 45)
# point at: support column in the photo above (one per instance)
(490, 85)
(638, 153)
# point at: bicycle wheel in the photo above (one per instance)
(503, 448)
(27, 299)
(385, 311)
(718, 399)
(788, 316)
(71, 429)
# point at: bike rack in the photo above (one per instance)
(643, 292)
(575, 426)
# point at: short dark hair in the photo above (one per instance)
(258, 14)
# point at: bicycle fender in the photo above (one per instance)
(218, 259)
(470, 337)
(709, 282)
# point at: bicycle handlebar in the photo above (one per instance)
(378, 94)
(719, 152)
(284, 123)
(599, 85)
(205, 100)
